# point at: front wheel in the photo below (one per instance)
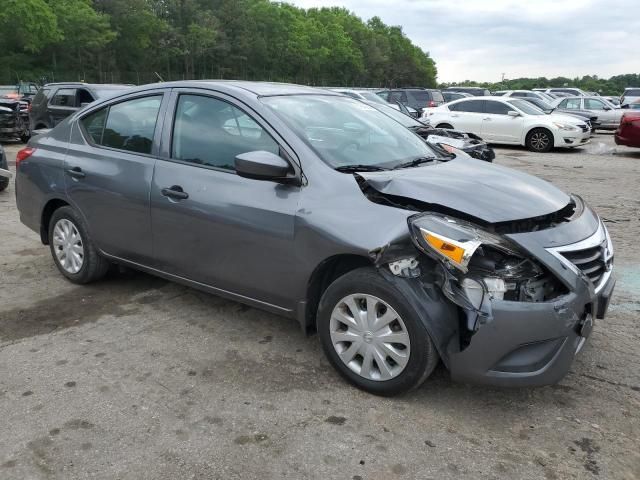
(539, 140)
(372, 335)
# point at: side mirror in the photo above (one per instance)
(606, 108)
(261, 165)
(513, 113)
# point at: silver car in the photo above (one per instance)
(608, 114)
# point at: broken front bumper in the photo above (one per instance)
(530, 344)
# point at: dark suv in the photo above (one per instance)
(418, 98)
(56, 101)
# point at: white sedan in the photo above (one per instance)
(510, 121)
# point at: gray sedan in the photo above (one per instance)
(608, 114)
(318, 207)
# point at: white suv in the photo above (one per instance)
(510, 121)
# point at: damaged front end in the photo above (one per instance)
(14, 119)
(509, 320)
(448, 141)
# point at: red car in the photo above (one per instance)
(628, 133)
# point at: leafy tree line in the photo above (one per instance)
(590, 83)
(140, 41)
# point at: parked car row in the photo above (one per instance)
(324, 209)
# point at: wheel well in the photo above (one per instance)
(444, 125)
(39, 126)
(323, 276)
(47, 213)
(526, 137)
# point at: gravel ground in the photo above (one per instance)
(139, 378)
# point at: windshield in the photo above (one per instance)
(546, 96)
(632, 92)
(397, 115)
(372, 97)
(343, 131)
(541, 104)
(526, 107)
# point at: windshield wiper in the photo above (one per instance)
(415, 162)
(360, 168)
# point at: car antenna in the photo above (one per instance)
(158, 75)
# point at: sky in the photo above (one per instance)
(482, 39)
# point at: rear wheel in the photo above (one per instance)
(4, 183)
(539, 140)
(372, 335)
(445, 125)
(72, 249)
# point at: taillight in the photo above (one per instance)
(630, 117)
(24, 154)
(431, 104)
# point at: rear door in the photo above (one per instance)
(62, 105)
(498, 125)
(209, 224)
(109, 167)
(467, 115)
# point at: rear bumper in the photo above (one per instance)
(531, 344)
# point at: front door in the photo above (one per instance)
(498, 125)
(209, 224)
(108, 170)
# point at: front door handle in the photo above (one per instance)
(175, 192)
(487, 118)
(76, 172)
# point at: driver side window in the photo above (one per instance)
(211, 132)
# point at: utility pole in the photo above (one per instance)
(502, 77)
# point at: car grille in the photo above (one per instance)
(592, 257)
(591, 261)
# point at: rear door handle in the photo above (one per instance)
(455, 115)
(76, 172)
(487, 118)
(175, 192)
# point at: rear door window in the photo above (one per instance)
(65, 97)
(572, 104)
(471, 106)
(129, 125)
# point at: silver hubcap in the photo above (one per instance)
(67, 244)
(539, 140)
(369, 337)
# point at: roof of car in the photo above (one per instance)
(84, 84)
(257, 88)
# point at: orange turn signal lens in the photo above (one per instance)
(449, 250)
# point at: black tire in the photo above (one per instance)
(94, 266)
(423, 356)
(4, 183)
(445, 126)
(539, 140)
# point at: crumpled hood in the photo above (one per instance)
(483, 190)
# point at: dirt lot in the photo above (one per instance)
(139, 378)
